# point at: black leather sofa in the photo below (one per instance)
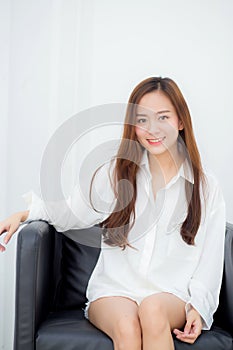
(51, 278)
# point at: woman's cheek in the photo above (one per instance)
(139, 131)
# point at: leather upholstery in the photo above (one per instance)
(52, 275)
(224, 314)
(73, 275)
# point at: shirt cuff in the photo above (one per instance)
(35, 206)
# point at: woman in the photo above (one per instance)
(161, 262)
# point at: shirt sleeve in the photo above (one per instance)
(205, 284)
(76, 211)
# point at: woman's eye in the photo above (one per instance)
(163, 117)
(141, 121)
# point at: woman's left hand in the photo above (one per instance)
(192, 328)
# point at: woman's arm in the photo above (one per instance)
(75, 212)
(205, 284)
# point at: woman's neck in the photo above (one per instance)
(165, 165)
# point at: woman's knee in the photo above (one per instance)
(153, 316)
(127, 333)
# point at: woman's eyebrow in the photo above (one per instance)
(165, 111)
(144, 114)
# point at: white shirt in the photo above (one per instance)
(162, 261)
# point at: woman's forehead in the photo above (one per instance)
(155, 101)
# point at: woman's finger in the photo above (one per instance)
(3, 229)
(188, 326)
(189, 338)
(177, 331)
(2, 247)
(10, 234)
(197, 327)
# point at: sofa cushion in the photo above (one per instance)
(77, 263)
(71, 331)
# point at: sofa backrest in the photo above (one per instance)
(78, 261)
(73, 265)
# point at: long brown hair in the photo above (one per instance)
(120, 221)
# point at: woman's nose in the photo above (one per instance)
(153, 127)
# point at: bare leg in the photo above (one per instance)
(159, 314)
(118, 318)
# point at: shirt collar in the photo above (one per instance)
(184, 171)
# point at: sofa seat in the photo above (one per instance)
(71, 331)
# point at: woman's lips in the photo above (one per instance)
(156, 142)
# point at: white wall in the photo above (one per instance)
(4, 65)
(189, 41)
(66, 56)
(38, 74)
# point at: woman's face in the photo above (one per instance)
(157, 123)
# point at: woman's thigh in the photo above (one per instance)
(110, 314)
(167, 304)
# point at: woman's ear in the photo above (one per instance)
(181, 126)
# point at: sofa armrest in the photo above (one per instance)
(34, 281)
(224, 315)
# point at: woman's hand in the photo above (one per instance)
(11, 225)
(192, 329)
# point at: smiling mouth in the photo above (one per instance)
(158, 140)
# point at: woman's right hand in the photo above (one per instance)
(11, 225)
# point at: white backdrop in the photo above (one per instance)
(59, 57)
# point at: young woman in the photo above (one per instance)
(161, 262)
